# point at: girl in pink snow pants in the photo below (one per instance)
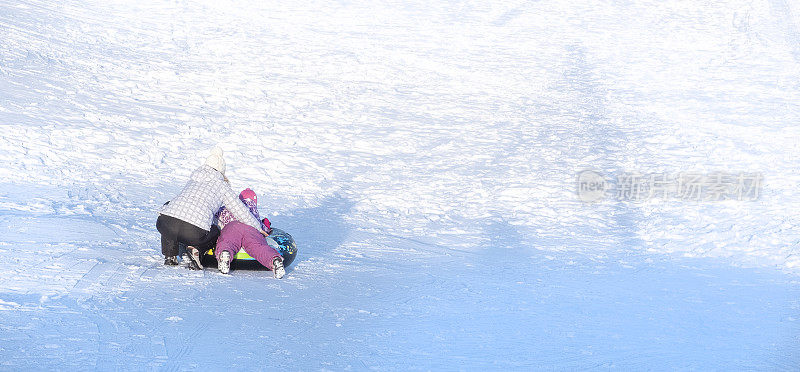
(235, 235)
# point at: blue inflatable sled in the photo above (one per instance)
(277, 238)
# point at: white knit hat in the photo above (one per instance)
(216, 161)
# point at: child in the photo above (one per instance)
(236, 235)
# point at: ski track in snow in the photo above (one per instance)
(423, 155)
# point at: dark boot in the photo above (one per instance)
(171, 260)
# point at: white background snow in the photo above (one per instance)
(423, 155)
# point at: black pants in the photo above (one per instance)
(174, 231)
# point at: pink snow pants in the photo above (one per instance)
(237, 235)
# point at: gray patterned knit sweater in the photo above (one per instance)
(203, 196)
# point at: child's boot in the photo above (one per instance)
(224, 262)
(277, 268)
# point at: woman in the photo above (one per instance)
(187, 219)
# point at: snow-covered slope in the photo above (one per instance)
(424, 156)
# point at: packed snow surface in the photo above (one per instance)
(424, 156)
